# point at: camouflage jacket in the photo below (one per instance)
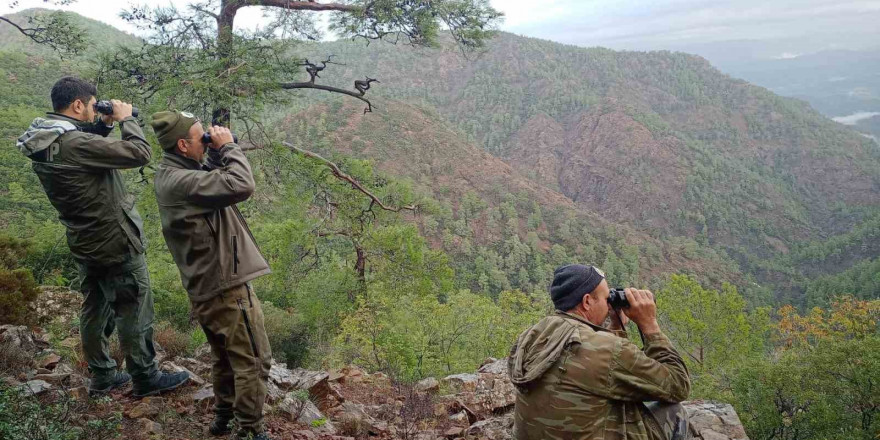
(79, 172)
(576, 380)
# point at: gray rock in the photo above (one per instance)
(149, 427)
(428, 384)
(494, 366)
(18, 336)
(462, 382)
(174, 368)
(35, 387)
(206, 392)
(714, 421)
(498, 428)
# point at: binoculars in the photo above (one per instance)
(106, 108)
(206, 138)
(617, 299)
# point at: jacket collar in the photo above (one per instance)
(595, 327)
(177, 161)
(59, 117)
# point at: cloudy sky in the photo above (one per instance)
(784, 27)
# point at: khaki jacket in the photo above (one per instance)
(204, 230)
(576, 380)
(80, 174)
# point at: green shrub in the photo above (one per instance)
(288, 336)
(17, 291)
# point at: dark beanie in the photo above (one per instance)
(172, 126)
(571, 282)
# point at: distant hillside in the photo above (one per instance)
(679, 147)
(687, 166)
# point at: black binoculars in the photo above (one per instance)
(106, 108)
(206, 138)
(617, 299)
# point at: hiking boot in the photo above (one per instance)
(105, 384)
(220, 426)
(161, 383)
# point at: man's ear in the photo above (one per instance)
(586, 301)
(181, 146)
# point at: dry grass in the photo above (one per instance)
(173, 341)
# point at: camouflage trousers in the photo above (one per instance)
(118, 297)
(672, 420)
(233, 324)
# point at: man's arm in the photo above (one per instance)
(229, 182)
(658, 372)
(100, 152)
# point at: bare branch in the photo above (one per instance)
(305, 5)
(342, 176)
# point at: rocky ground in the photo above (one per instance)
(302, 404)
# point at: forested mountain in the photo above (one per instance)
(741, 209)
(660, 141)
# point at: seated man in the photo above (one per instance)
(576, 379)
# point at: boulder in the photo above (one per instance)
(316, 382)
(35, 387)
(714, 421)
(354, 417)
(427, 385)
(194, 365)
(205, 393)
(58, 304)
(47, 359)
(149, 427)
(174, 368)
(494, 366)
(18, 336)
(498, 428)
(461, 382)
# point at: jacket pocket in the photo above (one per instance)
(247, 326)
(210, 226)
(235, 255)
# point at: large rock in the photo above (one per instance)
(47, 359)
(481, 395)
(35, 387)
(18, 336)
(58, 304)
(494, 366)
(427, 385)
(205, 393)
(316, 382)
(714, 421)
(174, 368)
(355, 419)
(498, 428)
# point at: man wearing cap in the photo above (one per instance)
(197, 186)
(78, 166)
(576, 379)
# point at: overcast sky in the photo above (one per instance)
(786, 27)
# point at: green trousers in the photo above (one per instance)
(233, 324)
(118, 297)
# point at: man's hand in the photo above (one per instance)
(642, 310)
(121, 110)
(220, 136)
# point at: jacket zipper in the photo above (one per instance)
(247, 325)
(235, 254)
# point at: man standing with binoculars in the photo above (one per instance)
(198, 184)
(78, 167)
(576, 379)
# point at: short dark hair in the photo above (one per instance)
(69, 89)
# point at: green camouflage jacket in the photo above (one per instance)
(80, 174)
(576, 380)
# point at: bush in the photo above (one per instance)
(173, 341)
(57, 417)
(17, 290)
(288, 336)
